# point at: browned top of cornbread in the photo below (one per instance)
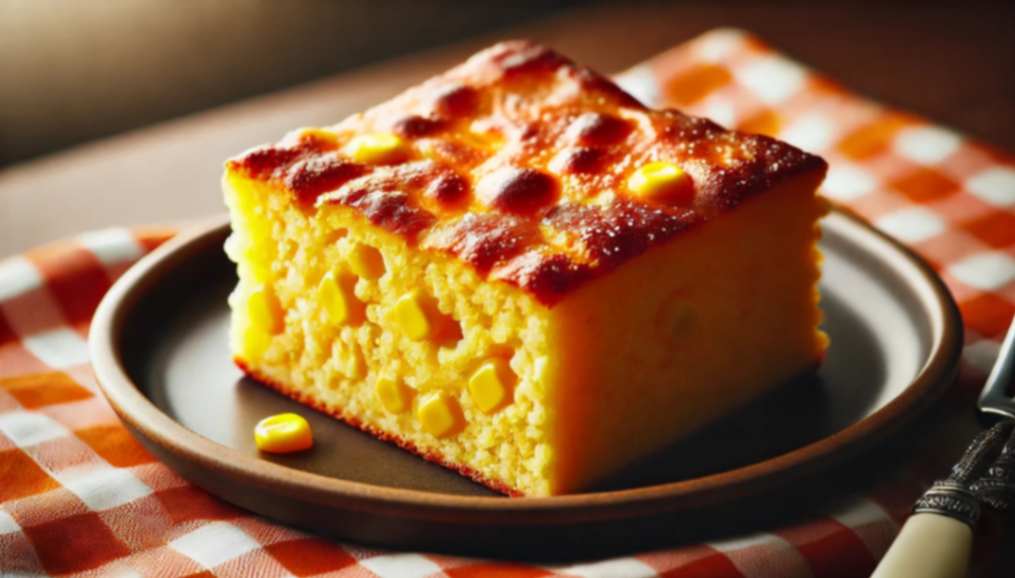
(517, 162)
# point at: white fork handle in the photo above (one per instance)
(929, 546)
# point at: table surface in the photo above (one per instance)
(951, 63)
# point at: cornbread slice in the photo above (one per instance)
(518, 271)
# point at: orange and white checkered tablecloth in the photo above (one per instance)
(79, 497)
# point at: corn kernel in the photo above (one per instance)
(393, 394)
(283, 433)
(337, 296)
(438, 414)
(408, 316)
(490, 385)
(264, 310)
(332, 299)
(366, 261)
(378, 148)
(661, 181)
(318, 136)
(255, 343)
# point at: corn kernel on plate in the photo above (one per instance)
(160, 350)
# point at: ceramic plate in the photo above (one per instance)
(159, 346)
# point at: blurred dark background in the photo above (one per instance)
(77, 70)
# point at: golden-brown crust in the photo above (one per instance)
(518, 164)
(428, 455)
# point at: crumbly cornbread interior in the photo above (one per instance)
(371, 367)
(530, 398)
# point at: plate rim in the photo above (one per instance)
(144, 418)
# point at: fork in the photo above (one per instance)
(995, 397)
(936, 540)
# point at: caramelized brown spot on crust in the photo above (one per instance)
(594, 128)
(610, 235)
(579, 160)
(517, 190)
(387, 209)
(415, 126)
(448, 189)
(525, 58)
(309, 167)
(547, 276)
(456, 101)
(263, 162)
(406, 177)
(771, 161)
(268, 161)
(456, 153)
(530, 132)
(312, 176)
(605, 237)
(484, 240)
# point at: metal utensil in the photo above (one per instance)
(997, 394)
(997, 487)
(936, 540)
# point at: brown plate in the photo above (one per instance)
(160, 351)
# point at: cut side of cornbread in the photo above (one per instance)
(518, 271)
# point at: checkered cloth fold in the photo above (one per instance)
(78, 496)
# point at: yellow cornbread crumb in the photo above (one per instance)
(376, 148)
(283, 433)
(438, 414)
(350, 363)
(661, 181)
(489, 385)
(366, 261)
